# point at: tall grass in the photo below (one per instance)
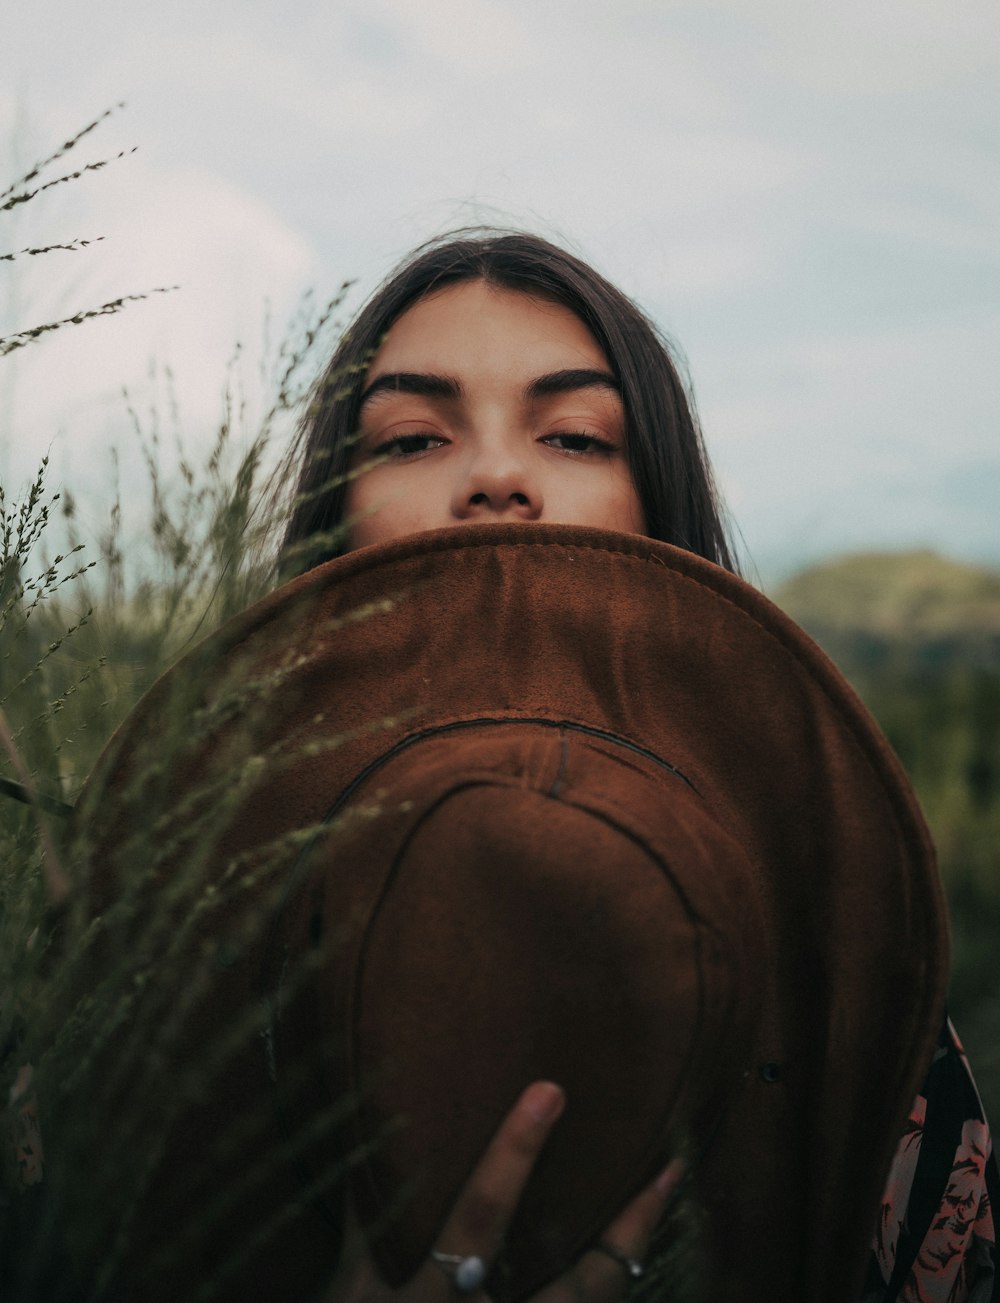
(103, 985)
(105, 967)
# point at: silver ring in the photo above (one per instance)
(632, 1266)
(466, 1274)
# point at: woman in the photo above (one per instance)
(497, 378)
(265, 909)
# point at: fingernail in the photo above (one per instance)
(544, 1100)
(670, 1178)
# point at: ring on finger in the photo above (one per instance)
(632, 1266)
(465, 1273)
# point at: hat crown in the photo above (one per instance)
(530, 903)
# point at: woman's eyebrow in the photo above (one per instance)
(565, 382)
(412, 382)
(427, 385)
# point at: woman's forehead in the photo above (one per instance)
(474, 325)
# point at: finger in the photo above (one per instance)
(480, 1217)
(633, 1228)
(601, 1277)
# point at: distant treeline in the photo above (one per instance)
(919, 638)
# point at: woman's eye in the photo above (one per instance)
(578, 443)
(408, 445)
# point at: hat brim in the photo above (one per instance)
(664, 653)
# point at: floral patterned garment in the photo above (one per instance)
(936, 1237)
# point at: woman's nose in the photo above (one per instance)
(495, 487)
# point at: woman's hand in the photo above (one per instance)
(479, 1220)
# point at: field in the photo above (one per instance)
(88, 623)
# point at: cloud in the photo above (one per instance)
(856, 49)
(804, 194)
(228, 253)
(852, 439)
(472, 36)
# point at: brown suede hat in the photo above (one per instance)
(502, 803)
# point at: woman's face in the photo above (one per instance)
(485, 404)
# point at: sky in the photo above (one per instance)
(805, 198)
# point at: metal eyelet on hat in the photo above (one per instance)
(228, 954)
(770, 1073)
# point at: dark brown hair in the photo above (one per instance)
(666, 455)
